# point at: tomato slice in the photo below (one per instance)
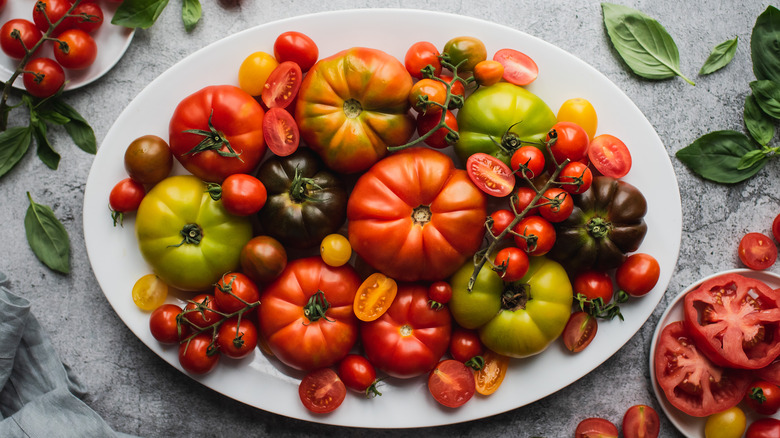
(610, 156)
(641, 421)
(519, 68)
(579, 331)
(757, 251)
(596, 427)
(280, 132)
(451, 383)
(374, 296)
(322, 391)
(490, 174)
(489, 378)
(282, 85)
(691, 382)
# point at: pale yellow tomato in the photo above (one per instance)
(580, 111)
(335, 250)
(149, 292)
(727, 424)
(254, 71)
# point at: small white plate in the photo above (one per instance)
(112, 42)
(688, 425)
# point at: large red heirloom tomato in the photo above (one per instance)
(414, 216)
(410, 338)
(217, 131)
(306, 314)
(352, 106)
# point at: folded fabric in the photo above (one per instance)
(40, 396)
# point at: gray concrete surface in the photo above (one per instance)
(138, 393)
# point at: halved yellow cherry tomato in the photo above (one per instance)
(374, 296)
(580, 111)
(490, 377)
(149, 292)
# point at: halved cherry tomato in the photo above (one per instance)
(763, 397)
(641, 421)
(577, 176)
(488, 72)
(638, 274)
(420, 55)
(571, 141)
(243, 194)
(501, 220)
(492, 374)
(757, 251)
(596, 427)
(581, 112)
(451, 383)
(149, 292)
(519, 68)
(511, 263)
(610, 156)
(530, 158)
(490, 174)
(465, 344)
(282, 85)
(557, 205)
(534, 235)
(374, 296)
(281, 132)
(579, 331)
(296, 47)
(428, 121)
(236, 339)
(594, 284)
(322, 391)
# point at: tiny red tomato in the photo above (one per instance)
(501, 220)
(234, 291)
(579, 331)
(757, 251)
(519, 68)
(557, 205)
(322, 391)
(298, 48)
(457, 87)
(358, 374)
(200, 311)
(776, 228)
(764, 428)
(638, 274)
(198, 355)
(530, 159)
(428, 96)
(443, 136)
(125, 197)
(452, 383)
(511, 263)
(577, 177)
(610, 156)
(439, 293)
(280, 132)
(164, 326)
(490, 174)
(282, 85)
(593, 285)
(763, 397)
(488, 72)
(237, 340)
(571, 141)
(243, 194)
(420, 55)
(534, 235)
(50, 11)
(89, 17)
(465, 344)
(75, 50)
(522, 198)
(43, 77)
(596, 427)
(29, 35)
(641, 421)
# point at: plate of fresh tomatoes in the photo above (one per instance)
(405, 402)
(97, 44)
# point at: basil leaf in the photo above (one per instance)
(77, 127)
(47, 237)
(767, 94)
(721, 55)
(750, 159)
(138, 13)
(190, 13)
(642, 43)
(758, 124)
(45, 151)
(765, 45)
(716, 156)
(14, 143)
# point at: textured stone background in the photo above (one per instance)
(138, 393)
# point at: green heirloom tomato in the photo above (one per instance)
(189, 239)
(465, 52)
(517, 319)
(495, 120)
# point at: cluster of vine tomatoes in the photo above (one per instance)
(68, 27)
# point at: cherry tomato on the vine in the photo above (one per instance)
(420, 55)
(456, 86)
(198, 355)
(200, 311)
(358, 374)
(322, 391)
(43, 77)
(451, 383)
(428, 96)
(757, 251)
(534, 235)
(439, 293)
(125, 197)
(581, 112)
(522, 198)
(594, 284)
(75, 50)
(234, 291)
(557, 205)
(490, 174)
(54, 10)
(763, 397)
(243, 195)
(282, 85)
(596, 427)
(519, 68)
(579, 331)
(280, 132)
(426, 122)
(577, 176)
(89, 17)
(298, 48)
(638, 274)
(610, 156)
(511, 263)
(163, 324)
(236, 339)
(641, 421)
(488, 72)
(29, 35)
(501, 220)
(530, 159)
(571, 141)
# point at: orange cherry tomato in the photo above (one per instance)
(492, 374)
(374, 296)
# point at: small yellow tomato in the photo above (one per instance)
(727, 424)
(254, 71)
(149, 292)
(335, 250)
(581, 112)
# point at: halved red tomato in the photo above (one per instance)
(280, 132)
(490, 174)
(610, 156)
(282, 85)
(579, 331)
(451, 383)
(322, 391)
(735, 321)
(519, 68)
(691, 382)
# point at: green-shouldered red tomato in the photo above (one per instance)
(164, 325)
(187, 238)
(352, 106)
(442, 137)
(451, 383)
(757, 251)
(420, 55)
(465, 52)
(75, 49)
(498, 119)
(517, 319)
(638, 274)
(237, 339)
(410, 201)
(298, 48)
(576, 176)
(534, 235)
(29, 34)
(198, 355)
(43, 77)
(580, 331)
(610, 156)
(530, 159)
(148, 159)
(519, 68)
(263, 258)
(216, 132)
(322, 391)
(409, 339)
(306, 314)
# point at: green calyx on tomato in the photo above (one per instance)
(499, 119)
(607, 223)
(305, 201)
(189, 240)
(352, 106)
(516, 319)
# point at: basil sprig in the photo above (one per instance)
(720, 56)
(47, 237)
(144, 13)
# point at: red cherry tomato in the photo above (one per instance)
(322, 391)
(439, 293)
(234, 291)
(75, 50)
(536, 235)
(29, 35)
(125, 197)
(501, 220)
(757, 251)
(89, 17)
(522, 198)
(610, 156)
(465, 344)
(571, 141)
(282, 85)
(596, 427)
(764, 428)
(43, 77)
(237, 340)
(594, 284)
(638, 274)
(54, 10)
(243, 194)
(579, 331)
(457, 87)
(512, 263)
(641, 421)
(200, 311)
(281, 132)
(490, 174)
(452, 383)
(163, 324)
(198, 355)
(531, 159)
(419, 55)
(577, 176)
(298, 48)
(776, 228)
(557, 205)
(763, 397)
(519, 68)
(358, 374)
(439, 139)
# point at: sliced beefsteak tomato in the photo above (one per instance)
(414, 216)
(352, 106)
(306, 314)
(691, 382)
(410, 338)
(735, 321)
(217, 131)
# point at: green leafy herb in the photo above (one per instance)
(76, 126)
(765, 45)
(720, 57)
(767, 94)
(717, 156)
(642, 43)
(144, 13)
(45, 151)
(190, 13)
(759, 125)
(47, 237)
(14, 143)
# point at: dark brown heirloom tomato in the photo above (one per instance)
(607, 222)
(305, 202)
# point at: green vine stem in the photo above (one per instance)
(202, 307)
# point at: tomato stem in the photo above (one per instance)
(316, 307)
(213, 140)
(300, 186)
